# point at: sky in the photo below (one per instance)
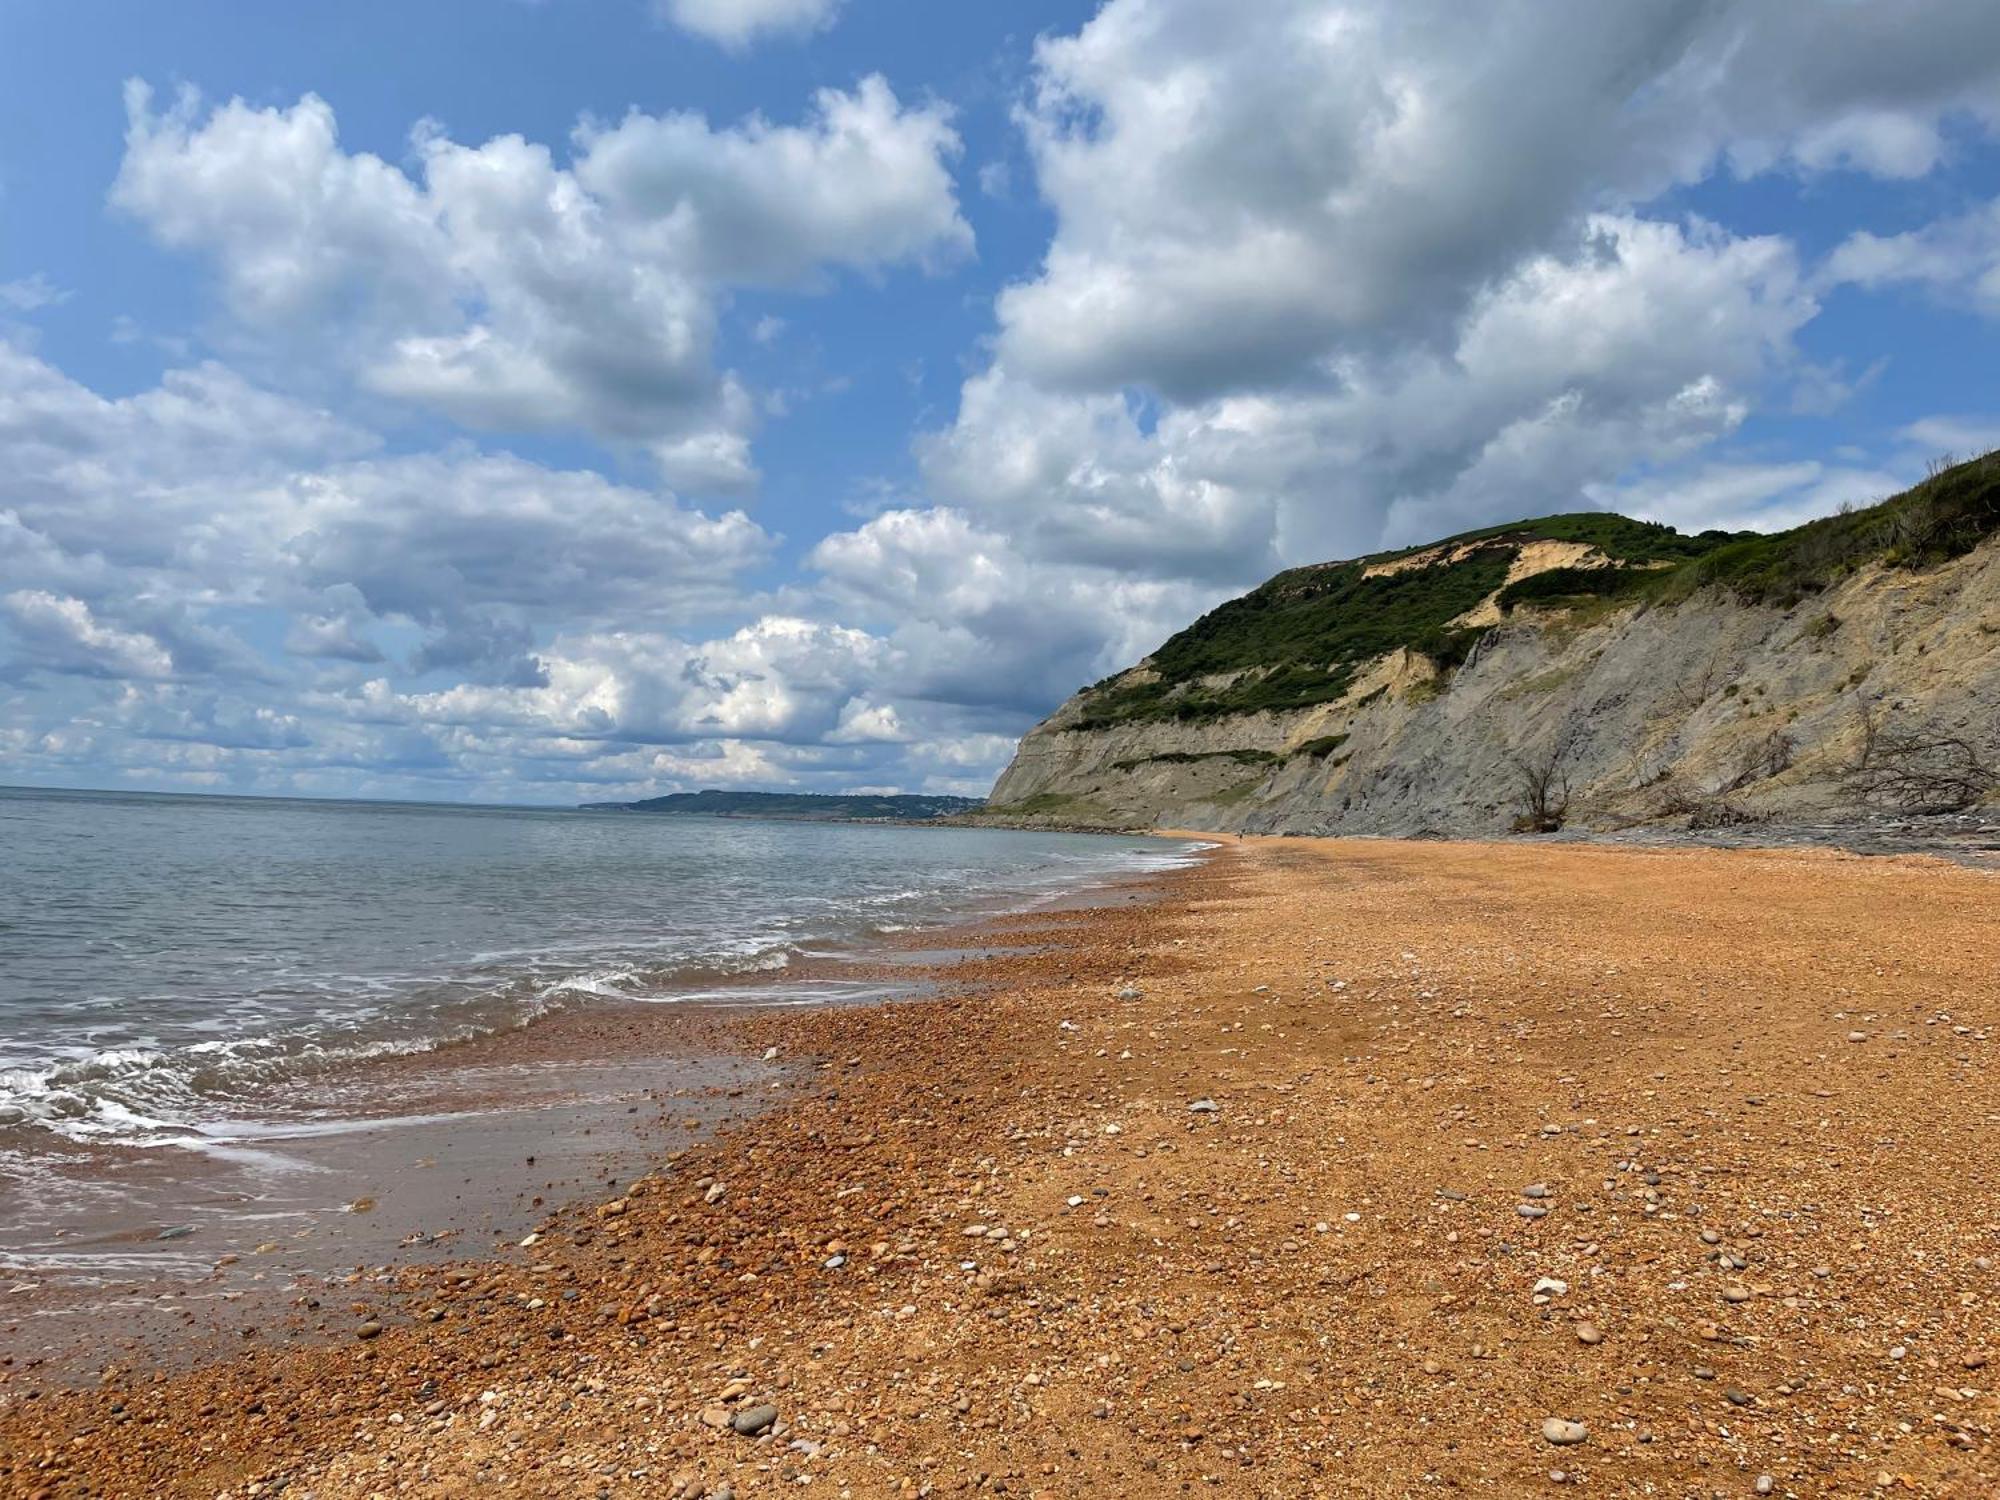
(569, 400)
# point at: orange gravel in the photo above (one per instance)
(992, 1249)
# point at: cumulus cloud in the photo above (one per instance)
(1239, 191)
(735, 24)
(1321, 276)
(511, 292)
(971, 620)
(127, 521)
(1637, 343)
(57, 633)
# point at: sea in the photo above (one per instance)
(170, 965)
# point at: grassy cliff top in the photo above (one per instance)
(1298, 639)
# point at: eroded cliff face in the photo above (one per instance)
(1709, 709)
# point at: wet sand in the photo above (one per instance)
(1343, 1168)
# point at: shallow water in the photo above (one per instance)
(166, 963)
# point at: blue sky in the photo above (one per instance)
(563, 400)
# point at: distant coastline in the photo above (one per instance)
(798, 807)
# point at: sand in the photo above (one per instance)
(1223, 1193)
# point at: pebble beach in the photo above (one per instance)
(1326, 1167)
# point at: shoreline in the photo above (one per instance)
(1321, 1283)
(426, 1156)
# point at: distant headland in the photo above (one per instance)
(809, 807)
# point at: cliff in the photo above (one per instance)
(1580, 670)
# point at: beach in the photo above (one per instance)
(1320, 1167)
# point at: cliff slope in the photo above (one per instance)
(1581, 670)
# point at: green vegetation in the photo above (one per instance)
(1229, 796)
(1946, 516)
(1616, 536)
(1298, 640)
(1562, 586)
(1065, 806)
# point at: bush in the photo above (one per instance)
(1922, 769)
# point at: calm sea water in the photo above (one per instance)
(161, 954)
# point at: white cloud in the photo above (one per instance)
(512, 293)
(206, 491)
(55, 633)
(973, 620)
(1242, 192)
(1322, 276)
(32, 293)
(735, 24)
(1637, 344)
(1962, 436)
(1748, 497)
(1957, 259)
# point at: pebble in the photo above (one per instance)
(1203, 1107)
(1130, 992)
(1535, 1190)
(1550, 1286)
(1589, 1333)
(368, 1330)
(1736, 1292)
(1561, 1433)
(1531, 1211)
(754, 1419)
(1765, 1484)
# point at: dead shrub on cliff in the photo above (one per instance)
(1704, 811)
(1763, 759)
(1541, 779)
(1920, 768)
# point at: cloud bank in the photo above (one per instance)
(1316, 278)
